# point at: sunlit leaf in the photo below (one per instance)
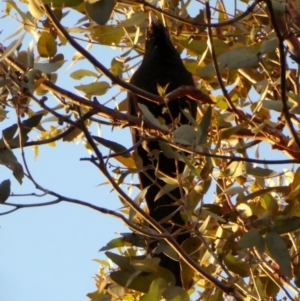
(235, 169)
(81, 73)
(46, 45)
(98, 88)
(117, 66)
(35, 9)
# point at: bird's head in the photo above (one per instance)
(157, 38)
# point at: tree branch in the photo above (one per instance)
(232, 21)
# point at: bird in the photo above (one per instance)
(161, 66)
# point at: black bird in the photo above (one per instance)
(161, 66)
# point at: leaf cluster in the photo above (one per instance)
(241, 181)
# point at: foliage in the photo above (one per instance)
(241, 208)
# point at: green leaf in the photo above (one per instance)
(149, 265)
(175, 293)
(237, 266)
(270, 287)
(135, 19)
(214, 216)
(158, 286)
(275, 105)
(261, 88)
(96, 296)
(185, 134)
(26, 127)
(3, 114)
(124, 262)
(9, 132)
(286, 224)
(236, 58)
(260, 287)
(8, 159)
(196, 46)
(133, 280)
(61, 4)
(203, 126)
(11, 48)
(227, 133)
(167, 150)
(107, 34)
(279, 252)
(164, 247)
(74, 134)
(259, 172)
(117, 290)
(221, 102)
(268, 45)
(99, 11)
(48, 68)
(116, 147)
(217, 296)
(192, 247)
(295, 186)
(127, 239)
(269, 204)
(233, 190)
(166, 189)
(252, 238)
(115, 243)
(4, 191)
(279, 189)
(149, 116)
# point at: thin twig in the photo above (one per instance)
(248, 11)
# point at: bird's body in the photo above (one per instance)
(162, 66)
